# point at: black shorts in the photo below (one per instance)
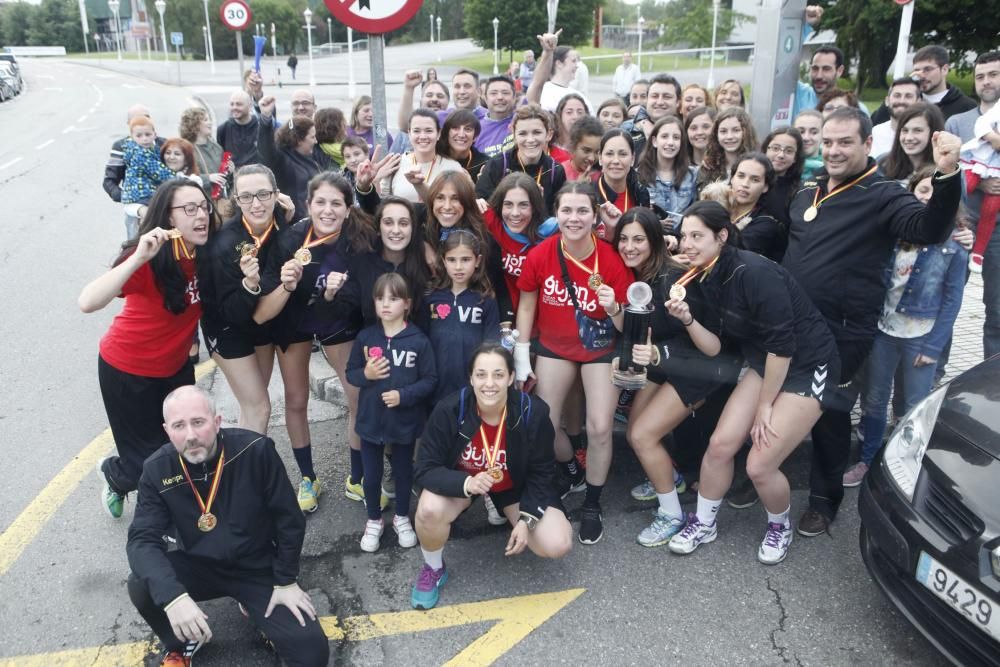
(695, 377)
(233, 343)
(818, 381)
(507, 498)
(542, 351)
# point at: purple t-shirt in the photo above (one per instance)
(369, 136)
(494, 137)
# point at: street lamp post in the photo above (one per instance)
(309, 40)
(715, 27)
(208, 33)
(438, 19)
(432, 28)
(496, 54)
(551, 9)
(114, 5)
(642, 22)
(161, 6)
(350, 62)
(204, 34)
(329, 30)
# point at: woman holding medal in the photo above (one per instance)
(560, 284)
(144, 354)
(680, 354)
(230, 290)
(311, 255)
(793, 364)
(492, 441)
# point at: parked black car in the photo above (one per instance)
(930, 517)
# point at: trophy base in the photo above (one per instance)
(628, 380)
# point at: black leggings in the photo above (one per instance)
(135, 414)
(402, 467)
(296, 645)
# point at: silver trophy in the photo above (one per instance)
(625, 373)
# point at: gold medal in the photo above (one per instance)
(493, 468)
(810, 214)
(595, 281)
(174, 233)
(678, 292)
(496, 472)
(248, 250)
(207, 522)
(303, 256)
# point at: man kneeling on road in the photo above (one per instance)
(226, 497)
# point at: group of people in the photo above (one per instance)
(468, 287)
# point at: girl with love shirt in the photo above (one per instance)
(144, 354)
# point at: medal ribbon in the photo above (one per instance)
(312, 243)
(836, 191)
(580, 265)
(691, 274)
(538, 176)
(259, 241)
(491, 460)
(213, 490)
(427, 178)
(180, 250)
(600, 186)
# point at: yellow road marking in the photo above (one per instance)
(29, 523)
(517, 616)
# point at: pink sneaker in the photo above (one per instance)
(855, 474)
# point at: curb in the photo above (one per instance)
(323, 380)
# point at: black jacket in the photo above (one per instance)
(114, 170)
(549, 175)
(776, 200)
(292, 169)
(260, 526)
(530, 458)
(240, 140)
(763, 234)
(411, 371)
(839, 257)
(953, 102)
(765, 310)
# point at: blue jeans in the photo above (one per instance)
(888, 354)
(991, 297)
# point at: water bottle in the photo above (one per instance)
(508, 338)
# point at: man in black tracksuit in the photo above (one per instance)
(242, 541)
(838, 246)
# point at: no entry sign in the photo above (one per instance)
(374, 16)
(235, 14)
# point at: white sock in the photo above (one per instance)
(670, 504)
(434, 558)
(781, 518)
(707, 509)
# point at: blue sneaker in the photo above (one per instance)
(427, 590)
(661, 530)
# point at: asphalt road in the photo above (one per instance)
(65, 590)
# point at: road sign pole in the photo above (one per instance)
(239, 52)
(178, 47)
(376, 56)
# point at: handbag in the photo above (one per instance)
(594, 334)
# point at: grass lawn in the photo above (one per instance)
(483, 62)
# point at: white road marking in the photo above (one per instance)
(11, 163)
(81, 119)
(44, 144)
(133, 86)
(69, 129)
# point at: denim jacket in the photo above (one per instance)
(934, 290)
(673, 197)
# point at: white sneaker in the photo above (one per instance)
(774, 548)
(373, 535)
(694, 534)
(492, 515)
(404, 532)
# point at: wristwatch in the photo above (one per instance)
(529, 520)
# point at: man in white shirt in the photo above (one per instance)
(626, 74)
(903, 93)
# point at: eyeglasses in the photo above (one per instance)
(191, 210)
(786, 150)
(263, 196)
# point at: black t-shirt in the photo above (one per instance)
(240, 140)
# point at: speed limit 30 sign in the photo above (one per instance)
(235, 14)
(374, 16)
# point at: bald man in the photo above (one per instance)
(225, 495)
(238, 134)
(303, 104)
(114, 170)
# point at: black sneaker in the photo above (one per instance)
(591, 525)
(571, 483)
(742, 495)
(812, 523)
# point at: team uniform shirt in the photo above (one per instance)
(761, 233)
(145, 338)
(556, 315)
(474, 456)
(512, 256)
(457, 324)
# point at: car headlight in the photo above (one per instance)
(904, 453)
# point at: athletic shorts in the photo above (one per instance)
(507, 498)
(818, 381)
(693, 377)
(542, 351)
(233, 343)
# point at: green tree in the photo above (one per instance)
(15, 18)
(56, 23)
(689, 22)
(522, 20)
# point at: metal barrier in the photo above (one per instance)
(722, 53)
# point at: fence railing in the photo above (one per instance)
(723, 54)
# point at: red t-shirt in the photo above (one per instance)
(559, 154)
(145, 338)
(511, 257)
(473, 459)
(556, 319)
